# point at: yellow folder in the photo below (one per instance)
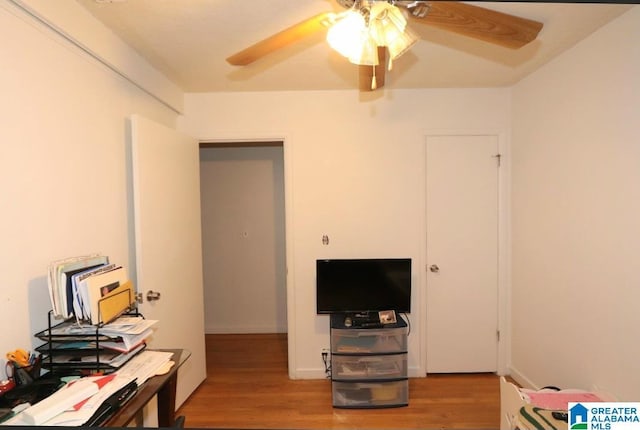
(113, 303)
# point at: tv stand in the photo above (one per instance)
(368, 364)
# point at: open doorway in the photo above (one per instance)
(243, 237)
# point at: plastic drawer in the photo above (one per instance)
(370, 394)
(368, 341)
(349, 367)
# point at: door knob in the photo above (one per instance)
(152, 295)
(434, 268)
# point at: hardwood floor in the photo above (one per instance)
(248, 387)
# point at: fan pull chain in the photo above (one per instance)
(374, 83)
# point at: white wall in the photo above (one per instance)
(354, 170)
(357, 164)
(63, 166)
(243, 242)
(576, 216)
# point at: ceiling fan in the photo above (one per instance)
(485, 24)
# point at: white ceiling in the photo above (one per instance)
(188, 40)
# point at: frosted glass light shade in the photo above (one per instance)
(386, 22)
(401, 43)
(368, 53)
(346, 35)
(388, 27)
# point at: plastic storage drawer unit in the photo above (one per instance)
(368, 341)
(369, 365)
(391, 366)
(378, 394)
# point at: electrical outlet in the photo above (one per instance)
(325, 351)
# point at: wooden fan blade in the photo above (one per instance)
(280, 40)
(491, 26)
(365, 73)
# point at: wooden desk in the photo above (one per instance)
(164, 386)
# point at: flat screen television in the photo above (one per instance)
(363, 285)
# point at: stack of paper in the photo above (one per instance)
(59, 280)
(129, 332)
(85, 358)
(145, 365)
(59, 401)
(73, 404)
(89, 288)
(76, 402)
(123, 334)
(83, 347)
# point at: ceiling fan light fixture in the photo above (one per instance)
(347, 34)
(390, 15)
(367, 54)
(365, 27)
(401, 43)
(388, 26)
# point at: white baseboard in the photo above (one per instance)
(522, 379)
(416, 372)
(310, 374)
(244, 329)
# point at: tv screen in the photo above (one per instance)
(361, 285)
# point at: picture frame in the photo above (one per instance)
(387, 317)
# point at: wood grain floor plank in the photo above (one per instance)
(248, 387)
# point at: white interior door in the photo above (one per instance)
(166, 193)
(462, 253)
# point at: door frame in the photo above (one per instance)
(504, 248)
(288, 227)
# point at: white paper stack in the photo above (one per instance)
(145, 365)
(59, 401)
